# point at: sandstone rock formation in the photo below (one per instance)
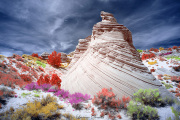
(80, 49)
(108, 59)
(63, 57)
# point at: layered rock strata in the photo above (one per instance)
(109, 60)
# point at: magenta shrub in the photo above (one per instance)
(32, 86)
(62, 93)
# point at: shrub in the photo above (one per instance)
(141, 111)
(169, 49)
(26, 78)
(76, 98)
(139, 50)
(62, 93)
(54, 59)
(168, 86)
(106, 99)
(37, 110)
(40, 81)
(19, 58)
(25, 94)
(25, 68)
(93, 112)
(36, 95)
(119, 116)
(102, 114)
(45, 87)
(55, 80)
(19, 65)
(35, 55)
(174, 47)
(41, 64)
(161, 48)
(13, 69)
(48, 99)
(147, 56)
(32, 86)
(176, 113)
(41, 69)
(47, 79)
(149, 97)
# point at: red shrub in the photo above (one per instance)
(13, 69)
(111, 116)
(11, 79)
(40, 57)
(152, 49)
(19, 58)
(93, 112)
(54, 59)
(33, 73)
(47, 79)
(35, 55)
(169, 49)
(102, 114)
(147, 56)
(25, 68)
(26, 78)
(19, 65)
(152, 70)
(41, 69)
(55, 80)
(14, 61)
(119, 116)
(106, 98)
(177, 94)
(41, 80)
(174, 47)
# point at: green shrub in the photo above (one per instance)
(41, 64)
(148, 97)
(168, 86)
(169, 118)
(139, 50)
(36, 95)
(176, 113)
(141, 111)
(163, 82)
(24, 94)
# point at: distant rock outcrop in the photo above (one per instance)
(108, 59)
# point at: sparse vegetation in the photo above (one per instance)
(140, 111)
(44, 109)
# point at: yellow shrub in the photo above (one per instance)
(152, 63)
(60, 106)
(69, 116)
(161, 48)
(44, 108)
(48, 99)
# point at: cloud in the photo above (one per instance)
(28, 26)
(162, 34)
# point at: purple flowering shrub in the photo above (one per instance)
(45, 87)
(52, 90)
(62, 93)
(162, 54)
(32, 86)
(76, 98)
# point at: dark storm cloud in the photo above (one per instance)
(28, 26)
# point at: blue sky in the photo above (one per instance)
(35, 26)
